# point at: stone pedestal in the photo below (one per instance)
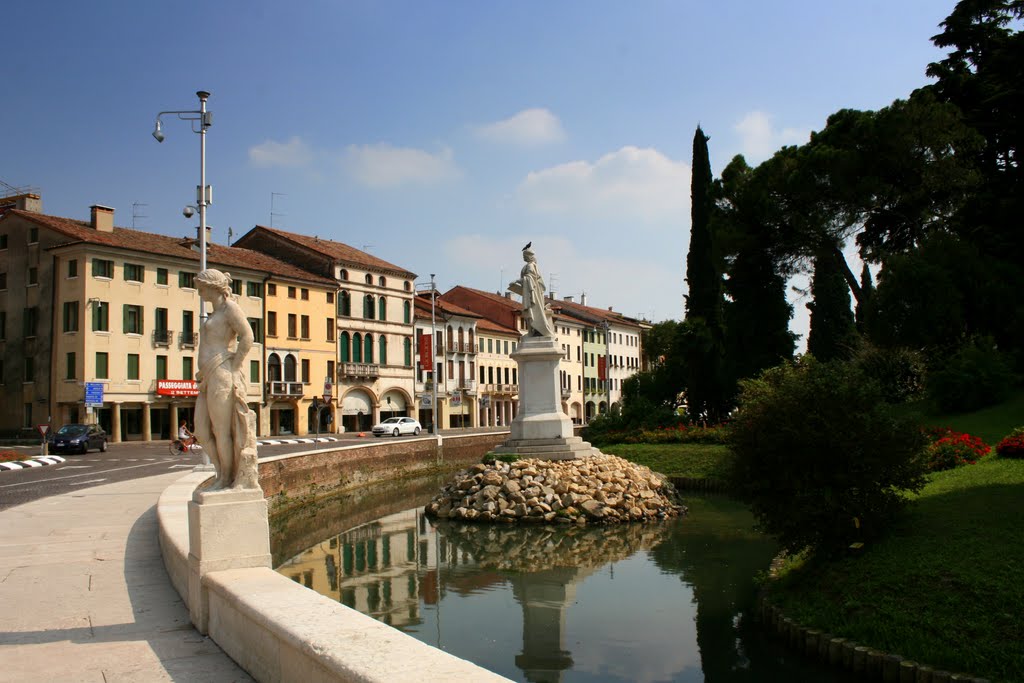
(541, 429)
(227, 529)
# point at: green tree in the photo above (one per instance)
(833, 334)
(867, 290)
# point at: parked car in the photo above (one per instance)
(397, 425)
(78, 438)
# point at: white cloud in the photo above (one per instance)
(528, 127)
(632, 183)
(383, 166)
(759, 138)
(289, 154)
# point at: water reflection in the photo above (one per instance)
(653, 602)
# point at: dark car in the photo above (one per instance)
(78, 438)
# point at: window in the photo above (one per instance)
(271, 289)
(186, 368)
(102, 371)
(100, 316)
(73, 268)
(161, 367)
(291, 292)
(490, 345)
(3, 324)
(305, 371)
(33, 276)
(343, 274)
(357, 348)
(2, 381)
(304, 294)
(368, 279)
(344, 304)
(254, 289)
(30, 321)
(133, 366)
(407, 285)
(330, 297)
(3, 280)
(330, 370)
(344, 347)
(406, 312)
(27, 415)
(30, 369)
(236, 287)
(368, 348)
(382, 309)
(382, 281)
(70, 369)
(33, 235)
(382, 350)
(293, 326)
(133, 272)
(132, 319)
(304, 327)
(161, 276)
(254, 371)
(451, 369)
(257, 329)
(160, 334)
(102, 268)
(186, 279)
(368, 306)
(71, 316)
(330, 329)
(187, 325)
(271, 323)
(3, 241)
(481, 346)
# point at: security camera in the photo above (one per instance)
(188, 212)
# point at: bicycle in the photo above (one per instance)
(179, 447)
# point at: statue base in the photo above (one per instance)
(227, 529)
(541, 429)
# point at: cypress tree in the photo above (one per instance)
(704, 281)
(833, 334)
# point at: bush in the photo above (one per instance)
(950, 449)
(899, 371)
(820, 457)
(1012, 445)
(974, 377)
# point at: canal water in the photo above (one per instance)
(657, 602)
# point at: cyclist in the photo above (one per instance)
(185, 436)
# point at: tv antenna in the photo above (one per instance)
(135, 212)
(231, 233)
(272, 213)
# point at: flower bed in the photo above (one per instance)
(949, 449)
(1012, 445)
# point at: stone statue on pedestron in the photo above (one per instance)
(225, 425)
(530, 285)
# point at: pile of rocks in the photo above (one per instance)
(601, 489)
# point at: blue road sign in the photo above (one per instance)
(94, 394)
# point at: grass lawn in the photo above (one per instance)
(944, 588)
(991, 424)
(696, 460)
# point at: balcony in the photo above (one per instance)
(566, 393)
(284, 389)
(358, 370)
(188, 340)
(510, 389)
(461, 347)
(467, 385)
(162, 337)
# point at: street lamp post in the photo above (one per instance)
(203, 192)
(433, 361)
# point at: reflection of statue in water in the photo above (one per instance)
(224, 424)
(536, 313)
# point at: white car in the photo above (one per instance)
(397, 425)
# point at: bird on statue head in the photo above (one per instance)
(527, 245)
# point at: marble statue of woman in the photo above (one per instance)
(224, 424)
(536, 313)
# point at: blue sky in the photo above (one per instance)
(442, 136)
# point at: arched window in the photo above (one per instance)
(382, 308)
(472, 342)
(462, 339)
(274, 368)
(289, 368)
(369, 279)
(344, 304)
(382, 281)
(407, 286)
(344, 274)
(368, 307)
(368, 348)
(450, 337)
(382, 350)
(407, 352)
(357, 348)
(406, 312)
(345, 350)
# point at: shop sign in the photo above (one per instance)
(177, 387)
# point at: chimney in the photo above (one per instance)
(569, 298)
(25, 202)
(508, 295)
(102, 218)
(209, 232)
(583, 298)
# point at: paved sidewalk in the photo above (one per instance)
(84, 595)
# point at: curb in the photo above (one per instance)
(40, 461)
(278, 442)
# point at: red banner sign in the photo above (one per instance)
(426, 354)
(177, 387)
(602, 370)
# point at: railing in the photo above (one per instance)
(566, 393)
(188, 340)
(358, 370)
(278, 388)
(500, 388)
(162, 337)
(460, 347)
(468, 385)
